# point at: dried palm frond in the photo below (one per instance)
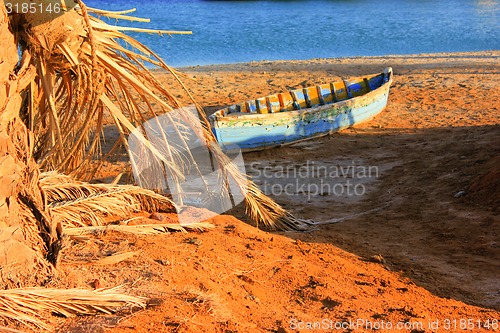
(29, 306)
(93, 209)
(90, 74)
(77, 203)
(142, 229)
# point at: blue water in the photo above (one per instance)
(241, 31)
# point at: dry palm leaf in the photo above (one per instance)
(90, 74)
(77, 203)
(141, 229)
(28, 306)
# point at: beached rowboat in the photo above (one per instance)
(301, 114)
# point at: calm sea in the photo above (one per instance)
(240, 31)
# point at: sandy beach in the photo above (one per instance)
(427, 258)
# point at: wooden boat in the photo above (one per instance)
(301, 114)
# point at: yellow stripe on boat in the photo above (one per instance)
(273, 103)
(325, 93)
(312, 96)
(286, 101)
(299, 99)
(261, 104)
(340, 91)
(242, 107)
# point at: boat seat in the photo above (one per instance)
(251, 106)
(359, 88)
(286, 101)
(273, 103)
(238, 108)
(339, 89)
(299, 99)
(261, 104)
(234, 108)
(325, 93)
(312, 96)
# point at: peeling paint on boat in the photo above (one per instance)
(316, 113)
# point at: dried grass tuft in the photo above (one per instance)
(210, 303)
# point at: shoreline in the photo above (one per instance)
(487, 54)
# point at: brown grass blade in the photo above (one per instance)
(115, 258)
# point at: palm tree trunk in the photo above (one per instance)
(29, 243)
